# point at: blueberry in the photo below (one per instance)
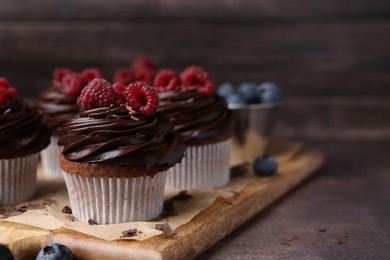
(247, 91)
(5, 253)
(55, 251)
(269, 92)
(235, 99)
(225, 90)
(265, 166)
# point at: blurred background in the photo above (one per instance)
(331, 58)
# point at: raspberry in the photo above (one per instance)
(58, 75)
(119, 91)
(72, 84)
(4, 83)
(98, 93)
(142, 97)
(7, 92)
(91, 73)
(166, 80)
(124, 76)
(196, 77)
(144, 62)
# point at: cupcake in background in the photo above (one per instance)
(203, 119)
(57, 104)
(23, 134)
(116, 153)
(142, 69)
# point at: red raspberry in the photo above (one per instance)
(91, 73)
(2, 100)
(142, 98)
(4, 83)
(144, 74)
(198, 78)
(98, 93)
(166, 80)
(124, 76)
(119, 91)
(144, 62)
(58, 75)
(72, 84)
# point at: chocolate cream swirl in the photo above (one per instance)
(22, 130)
(198, 118)
(56, 107)
(110, 135)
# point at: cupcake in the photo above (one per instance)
(116, 153)
(57, 104)
(203, 120)
(23, 134)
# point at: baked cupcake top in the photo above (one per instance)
(118, 133)
(189, 101)
(22, 130)
(59, 102)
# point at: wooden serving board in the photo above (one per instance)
(211, 224)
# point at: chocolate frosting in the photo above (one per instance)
(200, 119)
(110, 135)
(56, 107)
(22, 130)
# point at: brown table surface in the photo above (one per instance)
(342, 212)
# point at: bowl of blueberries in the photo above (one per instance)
(255, 107)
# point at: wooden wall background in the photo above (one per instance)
(331, 57)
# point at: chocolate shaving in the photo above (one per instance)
(130, 232)
(166, 228)
(338, 242)
(70, 217)
(183, 195)
(92, 222)
(239, 170)
(67, 210)
(10, 211)
(322, 230)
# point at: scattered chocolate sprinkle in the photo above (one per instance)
(183, 195)
(67, 210)
(286, 241)
(130, 232)
(140, 232)
(322, 230)
(338, 241)
(48, 202)
(239, 170)
(92, 222)
(70, 217)
(166, 228)
(14, 210)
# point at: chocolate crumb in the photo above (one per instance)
(168, 210)
(239, 170)
(166, 228)
(183, 195)
(10, 211)
(70, 217)
(322, 230)
(339, 242)
(130, 232)
(66, 210)
(286, 241)
(48, 202)
(140, 232)
(92, 222)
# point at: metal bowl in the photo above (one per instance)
(253, 124)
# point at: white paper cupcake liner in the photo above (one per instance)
(18, 179)
(115, 200)
(205, 166)
(50, 158)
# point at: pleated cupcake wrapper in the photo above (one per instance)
(115, 200)
(204, 166)
(50, 158)
(18, 178)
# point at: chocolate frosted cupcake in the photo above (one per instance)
(58, 104)
(116, 154)
(22, 135)
(202, 118)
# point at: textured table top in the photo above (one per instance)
(343, 212)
